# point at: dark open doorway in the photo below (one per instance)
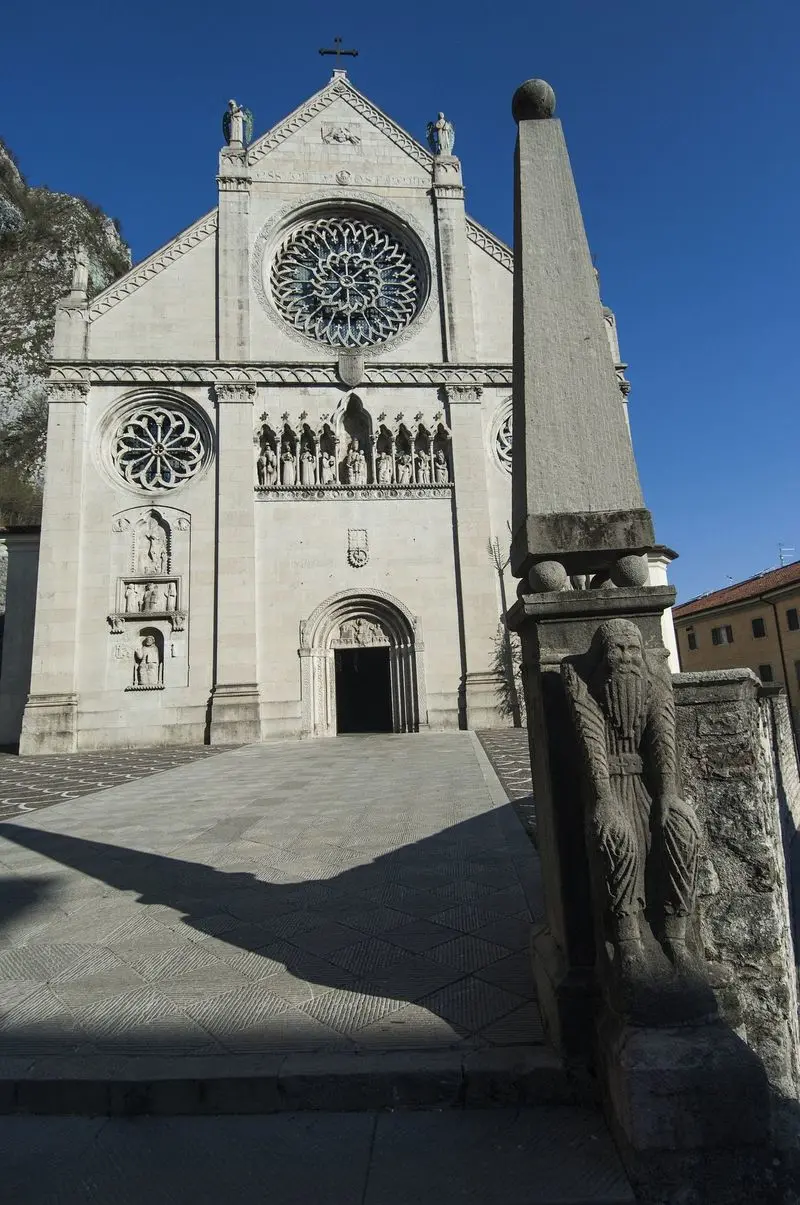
(363, 692)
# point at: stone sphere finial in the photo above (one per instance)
(533, 100)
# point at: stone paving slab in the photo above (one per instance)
(363, 894)
(535, 1156)
(508, 752)
(30, 783)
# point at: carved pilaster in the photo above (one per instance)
(233, 255)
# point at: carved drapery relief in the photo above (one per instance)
(643, 840)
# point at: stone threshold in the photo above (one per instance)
(116, 1086)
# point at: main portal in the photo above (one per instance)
(363, 690)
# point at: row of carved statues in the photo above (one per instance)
(151, 596)
(389, 468)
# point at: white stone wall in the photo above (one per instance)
(261, 575)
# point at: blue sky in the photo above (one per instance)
(682, 122)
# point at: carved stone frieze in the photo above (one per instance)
(151, 267)
(464, 393)
(214, 373)
(240, 393)
(233, 183)
(68, 391)
(344, 493)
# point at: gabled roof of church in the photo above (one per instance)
(338, 87)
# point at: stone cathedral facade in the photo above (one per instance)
(278, 451)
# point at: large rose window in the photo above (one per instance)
(157, 448)
(346, 281)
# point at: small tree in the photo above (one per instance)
(507, 662)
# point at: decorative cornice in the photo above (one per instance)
(151, 267)
(147, 372)
(347, 493)
(339, 89)
(493, 246)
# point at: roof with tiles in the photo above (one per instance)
(753, 587)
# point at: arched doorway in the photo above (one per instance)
(361, 666)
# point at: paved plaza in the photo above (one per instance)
(361, 894)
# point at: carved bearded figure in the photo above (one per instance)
(642, 839)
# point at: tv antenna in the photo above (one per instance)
(782, 550)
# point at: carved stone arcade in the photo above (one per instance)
(349, 452)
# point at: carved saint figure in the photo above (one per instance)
(405, 467)
(423, 469)
(237, 124)
(440, 469)
(308, 467)
(153, 557)
(355, 465)
(171, 596)
(270, 467)
(642, 839)
(152, 593)
(146, 662)
(133, 600)
(328, 468)
(385, 472)
(441, 136)
(288, 470)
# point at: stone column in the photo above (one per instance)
(49, 724)
(479, 605)
(235, 706)
(659, 560)
(233, 255)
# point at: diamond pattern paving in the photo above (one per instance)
(368, 893)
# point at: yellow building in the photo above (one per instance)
(755, 623)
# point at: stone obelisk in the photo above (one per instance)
(622, 981)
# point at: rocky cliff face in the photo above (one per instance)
(40, 234)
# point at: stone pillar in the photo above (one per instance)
(479, 605)
(235, 705)
(22, 547)
(49, 724)
(454, 274)
(659, 560)
(233, 256)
